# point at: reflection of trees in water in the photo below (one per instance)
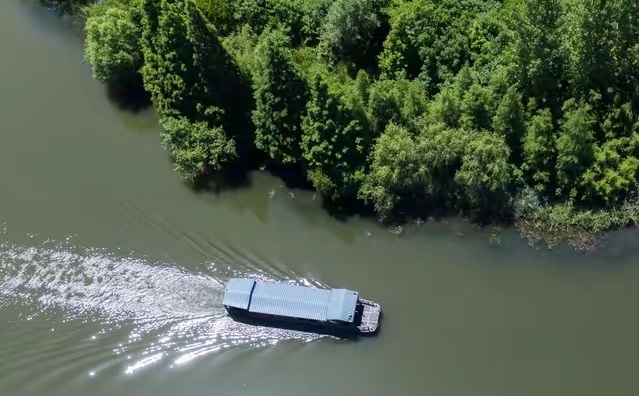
(128, 96)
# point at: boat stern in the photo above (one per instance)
(370, 317)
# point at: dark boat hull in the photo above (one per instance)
(296, 324)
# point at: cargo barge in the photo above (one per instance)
(339, 312)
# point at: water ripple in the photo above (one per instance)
(149, 313)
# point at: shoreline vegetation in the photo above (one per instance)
(519, 112)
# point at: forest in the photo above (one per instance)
(514, 111)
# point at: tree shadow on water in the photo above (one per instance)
(234, 177)
(130, 97)
(405, 213)
(345, 209)
(292, 176)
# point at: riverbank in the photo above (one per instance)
(581, 229)
(368, 120)
(113, 272)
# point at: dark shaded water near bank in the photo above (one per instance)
(111, 270)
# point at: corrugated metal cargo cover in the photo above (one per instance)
(303, 302)
(291, 300)
(238, 293)
(341, 305)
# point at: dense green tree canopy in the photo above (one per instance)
(113, 45)
(488, 107)
(280, 95)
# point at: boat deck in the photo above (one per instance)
(370, 318)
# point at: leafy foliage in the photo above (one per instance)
(334, 141)
(524, 108)
(280, 97)
(112, 44)
(196, 147)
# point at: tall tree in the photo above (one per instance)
(540, 153)
(280, 100)
(191, 80)
(509, 122)
(112, 43)
(394, 101)
(575, 150)
(540, 55)
(429, 40)
(334, 142)
(396, 171)
(351, 30)
(485, 173)
(604, 44)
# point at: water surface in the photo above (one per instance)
(111, 270)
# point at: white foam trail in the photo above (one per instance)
(174, 315)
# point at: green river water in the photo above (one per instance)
(111, 270)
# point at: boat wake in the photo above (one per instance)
(152, 312)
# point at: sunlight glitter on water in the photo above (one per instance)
(162, 314)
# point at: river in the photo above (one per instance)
(111, 270)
